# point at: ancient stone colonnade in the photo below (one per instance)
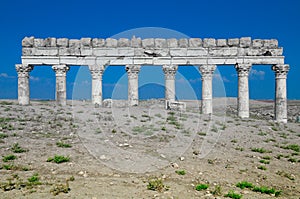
(61, 53)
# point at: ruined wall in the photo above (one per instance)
(151, 47)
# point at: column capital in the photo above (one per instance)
(281, 70)
(97, 71)
(23, 70)
(207, 70)
(170, 71)
(243, 69)
(133, 70)
(60, 70)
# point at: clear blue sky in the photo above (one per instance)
(194, 18)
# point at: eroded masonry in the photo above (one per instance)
(61, 53)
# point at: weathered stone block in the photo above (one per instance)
(257, 43)
(253, 52)
(50, 42)
(111, 43)
(38, 43)
(27, 42)
(180, 52)
(277, 51)
(28, 51)
(233, 42)
(123, 42)
(221, 42)
(209, 42)
(172, 43)
(148, 43)
(245, 42)
(270, 43)
(223, 52)
(98, 42)
(74, 43)
(86, 42)
(126, 52)
(46, 51)
(197, 52)
(69, 51)
(86, 51)
(195, 42)
(161, 52)
(139, 52)
(136, 42)
(62, 42)
(105, 52)
(183, 43)
(160, 43)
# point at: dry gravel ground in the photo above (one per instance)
(115, 152)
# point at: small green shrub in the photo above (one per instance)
(34, 179)
(58, 159)
(262, 167)
(3, 135)
(244, 184)
(266, 158)
(63, 145)
(17, 149)
(156, 184)
(292, 160)
(294, 147)
(260, 150)
(9, 158)
(267, 190)
(8, 166)
(264, 161)
(233, 195)
(180, 172)
(200, 187)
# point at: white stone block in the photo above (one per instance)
(38, 43)
(27, 51)
(183, 43)
(136, 42)
(126, 52)
(50, 42)
(27, 42)
(277, 51)
(197, 52)
(221, 52)
(257, 43)
(62, 42)
(148, 43)
(195, 42)
(123, 42)
(245, 42)
(86, 42)
(46, 51)
(172, 43)
(270, 43)
(98, 42)
(69, 51)
(111, 43)
(162, 52)
(209, 42)
(253, 52)
(74, 43)
(180, 52)
(221, 42)
(139, 52)
(160, 43)
(86, 51)
(233, 42)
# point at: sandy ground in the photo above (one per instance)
(115, 152)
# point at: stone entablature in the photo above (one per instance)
(150, 47)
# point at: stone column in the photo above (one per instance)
(61, 90)
(23, 83)
(97, 72)
(280, 92)
(133, 84)
(170, 72)
(207, 72)
(243, 89)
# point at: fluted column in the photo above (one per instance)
(170, 72)
(23, 83)
(61, 88)
(133, 84)
(207, 72)
(97, 72)
(280, 92)
(243, 89)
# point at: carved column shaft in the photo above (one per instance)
(61, 88)
(133, 84)
(23, 83)
(207, 73)
(170, 72)
(243, 89)
(280, 92)
(97, 72)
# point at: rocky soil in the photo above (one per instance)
(146, 151)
